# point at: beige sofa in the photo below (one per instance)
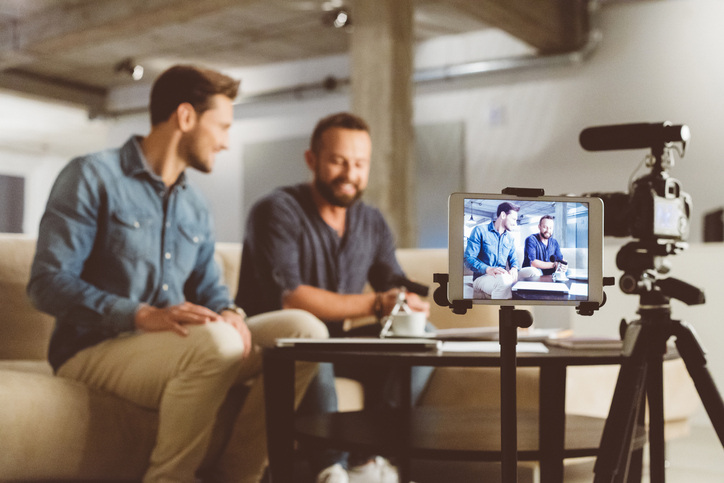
(52, 428)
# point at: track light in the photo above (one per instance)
(337, 18)
(342, 19)
(129, 67)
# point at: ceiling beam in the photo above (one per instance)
(551, 26)
(58, 90)
(69, 26)
(99, 21)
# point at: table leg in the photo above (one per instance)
(279, 395)
(403, 466)
(552, 422)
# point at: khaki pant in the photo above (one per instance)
(499, 286)
(186, 379)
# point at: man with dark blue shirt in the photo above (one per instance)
(314, 247)
(542, 251)
(125, 263)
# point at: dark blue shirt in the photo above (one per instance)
(288, 244)
(112, 237)
(488, 248)
(535, 249)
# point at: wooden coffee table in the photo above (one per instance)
(547, 435)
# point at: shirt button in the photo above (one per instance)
(165, 287)
(136, 224)
(168, 224)
(168, 256)
(196, 239)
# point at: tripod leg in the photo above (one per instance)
(655, 396)
(634, 470)
(613, 454)
(695, 359)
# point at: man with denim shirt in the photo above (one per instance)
(125, 262)
(490, 253)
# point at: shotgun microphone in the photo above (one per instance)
(633, 136)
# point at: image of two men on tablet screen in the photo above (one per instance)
(493, 251)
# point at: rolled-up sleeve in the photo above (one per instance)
(271, 263)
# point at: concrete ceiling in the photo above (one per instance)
(70, 49)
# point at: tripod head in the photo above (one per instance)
(642, 262)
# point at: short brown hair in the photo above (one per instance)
(506, 208)
(343, 120)
(186, 83)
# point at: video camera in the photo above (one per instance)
(655, 209)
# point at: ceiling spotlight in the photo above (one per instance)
(338, 18)
(342, 19)
(129, 67)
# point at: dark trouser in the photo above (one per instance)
(381, 390)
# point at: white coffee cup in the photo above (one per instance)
(409, 324)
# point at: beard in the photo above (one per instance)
(199, 164)
(326, 190)
(546, 235)
(194, 156)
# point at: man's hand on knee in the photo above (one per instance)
(494, 271)
(237, 321)
(174, 318)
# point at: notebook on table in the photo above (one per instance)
(361, 343)
(540, 287)
(577, 273)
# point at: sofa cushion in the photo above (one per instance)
(24, 332)
(60, 429)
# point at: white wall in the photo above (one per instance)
(37, 139)
(658, 61)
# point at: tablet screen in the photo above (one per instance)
(510, 250)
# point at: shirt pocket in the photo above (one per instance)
(188, 245)
(131, 236)
(507, 248)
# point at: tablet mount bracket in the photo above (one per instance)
(510, 319)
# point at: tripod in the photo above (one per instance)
(641, 379)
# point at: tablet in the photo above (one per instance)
(504, 231)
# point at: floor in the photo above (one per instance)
(698, 457)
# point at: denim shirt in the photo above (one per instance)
(488, 248)
(114, 236)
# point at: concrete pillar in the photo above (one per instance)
(382, 66)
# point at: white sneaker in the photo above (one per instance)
(333, 474)
(378, 470)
